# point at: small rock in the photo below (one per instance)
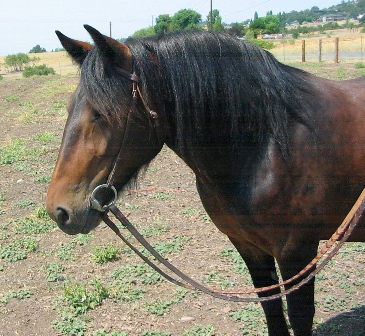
(187, 319)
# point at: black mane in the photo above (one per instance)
(197, 78)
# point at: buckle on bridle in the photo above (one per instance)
(97, 204)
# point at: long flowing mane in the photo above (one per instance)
(196, 78)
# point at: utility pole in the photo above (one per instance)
(110, 29)
(211, 15)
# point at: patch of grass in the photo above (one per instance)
(161, 307)
(155, 333)
(214, 277)
(29, 225)
(82, 239)
(134, 273)
(12, 98)
(65, 251)
(190, 211)
(24, 204)
(253, 319)
(59, 104)
(359, 65)
(44, 137)
(157, 228)
(125, 292)
(53, 271)
(106, 253)
(70, 325)
(162, 196)
(200, 330)
(239, 265)
(78, 298)
(2, 196)
(15, 151)
(165, 247)
(341, 72)
(102, 332)
(18, 249)
(21, 294)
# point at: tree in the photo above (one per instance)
(216, 20)
(267, 25)
(37, 49)
(185, 19)
(162, 25)
(16, 62)
(144, 32)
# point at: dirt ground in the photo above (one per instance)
(166, 207)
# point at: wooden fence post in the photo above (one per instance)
(303, 50)
(336, 49)
(319, 50)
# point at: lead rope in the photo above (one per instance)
(327, 252)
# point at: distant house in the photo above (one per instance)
(332, 17)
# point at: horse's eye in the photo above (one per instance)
(96, 114)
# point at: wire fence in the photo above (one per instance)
(321, 49)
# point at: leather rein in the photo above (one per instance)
(330, 248)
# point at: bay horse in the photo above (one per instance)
(278, 153)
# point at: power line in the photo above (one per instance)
(243, 10)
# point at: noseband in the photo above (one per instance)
(152, 116)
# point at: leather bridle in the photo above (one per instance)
(153, 122)
(327, 252)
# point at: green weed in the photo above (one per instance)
(190, 211)
(24, 204)
(134, 273)
(78, 298)
(239, 265)
(214, 277)
(12, 98)
(164, 247)
(65, 251)
(21, 294)
(253, 320)
(341, 72)
(18, 249)
(162, 196)
(359, 65)
(155, 333)
(161, 307)
(15, 151)
(53, 271)
(44, 137)
(31, 225)
(105, 253)
(200, 330)
(82, 239)
(70, 325)
(102, 332)
(126, 292)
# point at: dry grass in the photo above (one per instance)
(59, 61)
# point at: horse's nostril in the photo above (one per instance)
(62, 216)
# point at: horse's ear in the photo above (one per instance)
(112, 50)
(78, 50)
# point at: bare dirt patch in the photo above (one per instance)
(43, 271)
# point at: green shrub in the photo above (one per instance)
(359, 65)
(1, 77)
(38, 70)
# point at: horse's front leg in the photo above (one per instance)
(300, 302)
(263, 273)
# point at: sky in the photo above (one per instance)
(26, 23)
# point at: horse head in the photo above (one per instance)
(107, 129)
